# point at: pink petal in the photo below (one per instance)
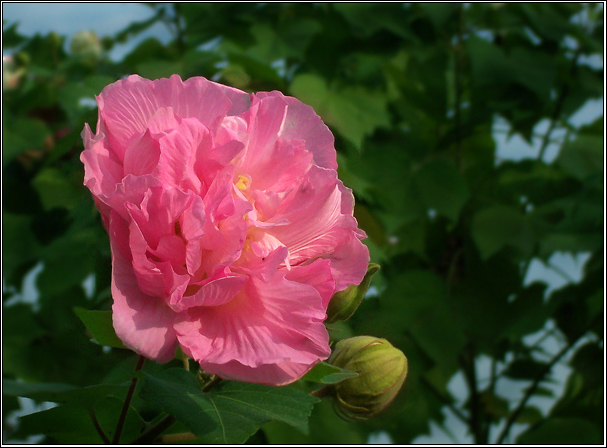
(142, 155)
(102, 170)
(278, 374)
(126, 106)
(265, 118)
(214, 293)
(179, 148)
(266, 323)
(143, 323)
(303, 123)
(349, 262)
(318, 274)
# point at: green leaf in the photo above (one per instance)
(494, 227)
(583, 157)
(416, 303)
(325, 373)
(61, 393)
(99, 324)
(354, 111)
(56, 189)
(232, 411)
(562, 431)
(442, 188)
(68, 424)
(326, 428)
(527, 368)
(20, 135)
(530, 415)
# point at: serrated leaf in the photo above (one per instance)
(232, 411)
(354, 111)
(99, 324)
(326, 373)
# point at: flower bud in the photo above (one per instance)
(11, 72)
(381, 369)
(86, 45)
(344, 303)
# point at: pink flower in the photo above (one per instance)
(229, 229)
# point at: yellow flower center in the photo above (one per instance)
(242, 183)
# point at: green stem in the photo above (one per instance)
(98, 427)
(127, 403)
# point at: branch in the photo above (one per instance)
(442, 398)
(534, 385)
(558, 107)
(474, 421)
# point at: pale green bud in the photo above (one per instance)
(344, 303)
(381, 369)
(86, 45)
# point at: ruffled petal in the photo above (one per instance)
(302, 123)
(143, 323)
(274, 322)
(126, 106)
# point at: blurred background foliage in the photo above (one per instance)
(413, 94)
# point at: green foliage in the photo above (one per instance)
(231, 412)
(415, 95)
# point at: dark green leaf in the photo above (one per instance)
(562, 431)
(61, 393)
(72, 425)
(494, 227)
(99, 324)
(442, 188)
(229, 413)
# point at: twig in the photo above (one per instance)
(531, 390)
(442, 398)
(558, 106)
(127, 403)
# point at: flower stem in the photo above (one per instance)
(98, 427)
(127, 403)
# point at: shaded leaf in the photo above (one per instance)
(232, 411)
(99, 324)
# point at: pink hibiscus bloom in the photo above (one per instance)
(229, 228)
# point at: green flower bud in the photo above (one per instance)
(381, 369)
(344, 303)
(86, 45)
